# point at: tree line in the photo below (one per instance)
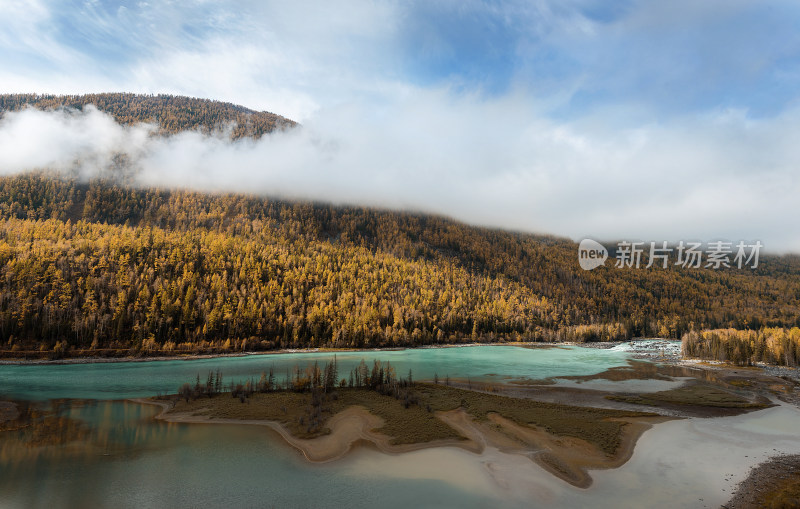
(770, 345)
(321, 382)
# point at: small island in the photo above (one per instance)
(325, 417)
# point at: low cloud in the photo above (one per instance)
(494, 162)
(67, 140)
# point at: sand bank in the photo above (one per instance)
(568, 458)
(348, 429)
(694, 462)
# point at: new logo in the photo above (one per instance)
(591, 254)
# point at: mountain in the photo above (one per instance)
(94, 267)
(171, 113)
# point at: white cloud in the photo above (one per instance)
(494, 163)
(66, 140)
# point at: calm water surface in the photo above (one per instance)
(120, 380)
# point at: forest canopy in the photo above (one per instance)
(172, 114)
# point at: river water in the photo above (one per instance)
(94, 449)
(119, 380)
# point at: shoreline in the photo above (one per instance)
(776, 480)
(647, 354)
(192, 356)
(350, 429)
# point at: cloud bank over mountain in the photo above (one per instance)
(484, 162)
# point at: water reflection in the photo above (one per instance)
(78, 430)
(114, 454)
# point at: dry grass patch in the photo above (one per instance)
(635, 370)
(599, 426)
(412, 425)
(290, 409)
(416, 423)
(698, 394)
(293, 410)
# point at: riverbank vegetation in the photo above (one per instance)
(770, 345)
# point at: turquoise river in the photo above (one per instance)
(120, 456)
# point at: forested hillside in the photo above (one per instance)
(101, 268)
(171, 113)
(95, 265)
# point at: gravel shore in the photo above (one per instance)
(766, 481)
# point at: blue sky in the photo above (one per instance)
(684, 103)
(662, 58)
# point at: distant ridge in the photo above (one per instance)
(172, 113)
